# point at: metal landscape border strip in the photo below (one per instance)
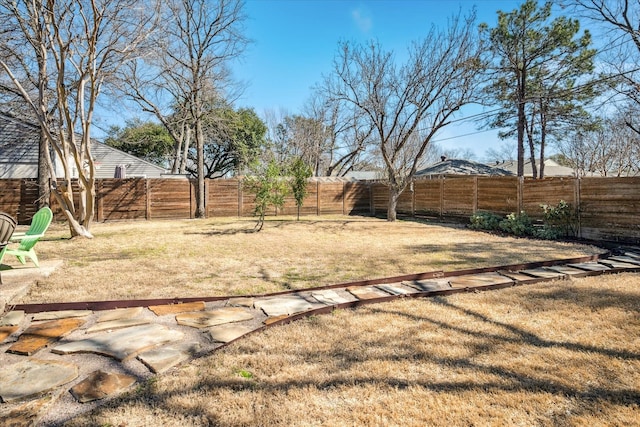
(113, 304)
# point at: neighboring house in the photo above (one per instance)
(551, 168)
(460, 167)
(363, 175)
(19, 155)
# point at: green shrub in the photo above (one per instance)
(559, 221)
(517, 224)
(485, 221)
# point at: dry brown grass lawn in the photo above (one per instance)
(191, 258)
(557, 353)
(551, 354)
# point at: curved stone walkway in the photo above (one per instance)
(72, 360)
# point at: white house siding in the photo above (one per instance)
(19, 155)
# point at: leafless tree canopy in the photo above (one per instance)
(185, 67)
(611, 150)
(406, 104)
(58, 56)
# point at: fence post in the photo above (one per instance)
(520, 194)
(147, 195)
(372, 204)
(240, 198)
(474, 208)
(99, 201)
(413, 198)
(318, 197)
(206, 198)
(577, 204)
(441, 195)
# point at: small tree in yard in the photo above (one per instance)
(269, 187)
(300, 174)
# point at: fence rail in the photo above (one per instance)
(608, 208)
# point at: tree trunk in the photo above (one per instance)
(200, 209)
(542, 141)
(75, 227)
(543, 138)
(44, 190)
(394, 195)
(185, 150)
(532, 154)
(521, 120)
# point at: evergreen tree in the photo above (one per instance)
(537, 67)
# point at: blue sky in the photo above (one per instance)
(294, 43)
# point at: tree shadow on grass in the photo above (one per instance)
(389, 347)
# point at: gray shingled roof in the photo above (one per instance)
(461, 167)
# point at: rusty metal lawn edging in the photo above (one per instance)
(113, 304)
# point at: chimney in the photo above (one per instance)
(443, 158)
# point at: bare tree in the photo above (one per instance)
(613, 149)
(73, 48)
(187, 67)
(621, 21)
(347, 134)
(408, 105)
(504, 152)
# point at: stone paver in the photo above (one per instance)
(617, 264)
(120, 314)
(229, 332)
(161, 310)
(116, 324)
(122, 344)
(64, 314)
(590, 266)
(205, 319)
(396, 289)
(518, 276)
(632, 254)
(332, 297)
(26, 414)
(367, 292)
(101, 384)
(164, 358)
(476, 280)
(39, 336)
(7, 331)
(543, 273)
(32, 377)
(628, 259)
(428, 285)
(283, 305)
(12, 318)
(563, 269)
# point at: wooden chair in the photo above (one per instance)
(39, 224)
(7, 225)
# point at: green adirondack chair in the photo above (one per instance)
(27, 240)
(7, 225)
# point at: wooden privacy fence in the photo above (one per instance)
(140, 198)
(608, 208)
